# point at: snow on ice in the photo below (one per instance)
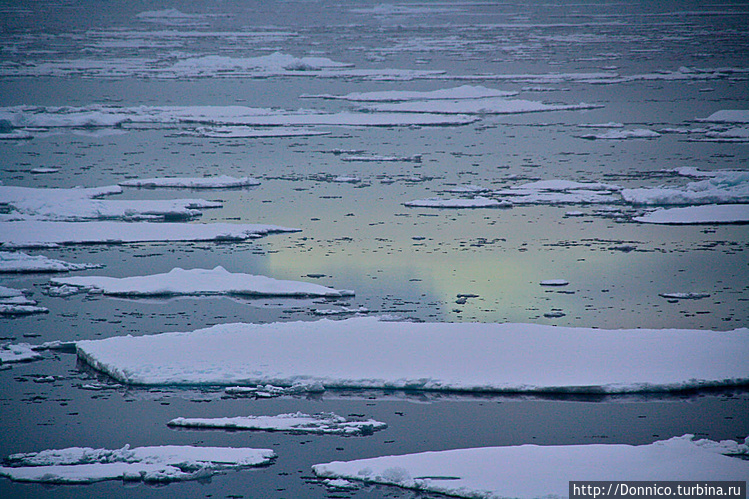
(530, 471)
(476, 202)
(638, 133)
(323, 423)
(218, 182)
(705, 214)
(149, 464)
(81, 204)
(45, 234)
(20, 352)
(217, 281)
(476, 106)
(14, 302)
(244, 132)
(18, 262)
(428, 356)
(111, 116)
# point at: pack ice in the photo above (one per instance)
(149, 464)
(364, 352)
(530, 471)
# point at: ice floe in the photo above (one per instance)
(148, 464)
(19, 352)
(554, 282)
(721, 186)
(33, 234)
(14, 302)
(428, 356)
(244, 132)
(457, 93)
(728, 116)
(638, 133)
(18, 262)
(217, 281)
(218, 182)
(530, 471)
(477, 106)
(170, 116)
(476, 202)
(562, 192)
(684, 296)
(704, 214)
(83, 204)
(323, 423)
(172, 17)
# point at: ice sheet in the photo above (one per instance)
(365, 352)
(530, 471)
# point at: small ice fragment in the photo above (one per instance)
(554, 282)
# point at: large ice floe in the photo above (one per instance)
(81, 204)
(476, 106)
(428, 356)
(217, 281)
(14, 302)
(704, 214)
(171, 116)
(218, 182)
(324, 423)
(18, 262)
(149, 464)
(33, 234)
(721, 186)
(531, 471)
(475, 202)
(457, 93)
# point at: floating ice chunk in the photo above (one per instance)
(276, 63)
(530, 471)
(639, 133)
(79, 204)
(16, 135)
(323, 423)
(44, 170)
(554, 282)
(14, 302)
(462, 92)
(477, 106)
(721, 186)
(149, 464)
(684, 296)
(728, 116)
(19, 352)
(219, 182)
(178, 281)
(341, 311)
(476, 202)
(18, 262)
(562, 192)
(243, 132)
(512, 357)
(345, 179)
(467, 189)
(42, 234)
(736, 134)
(705, 214)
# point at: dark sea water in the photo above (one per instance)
(650, 65)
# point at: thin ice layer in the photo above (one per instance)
(705, 214)
(218, 182)
(150, 464)
(36, 234)
(364, 352)
(530, 471)
(216, 281)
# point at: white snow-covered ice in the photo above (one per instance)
(476, 106)
(216, 281)
(217, 182)
(298, 422)
(703, 214)
(531, 471)
(457, 93)
(475, 202)
(428, 356)
(43, 234)
(14, 302)
(19, 262)
(149, 464)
